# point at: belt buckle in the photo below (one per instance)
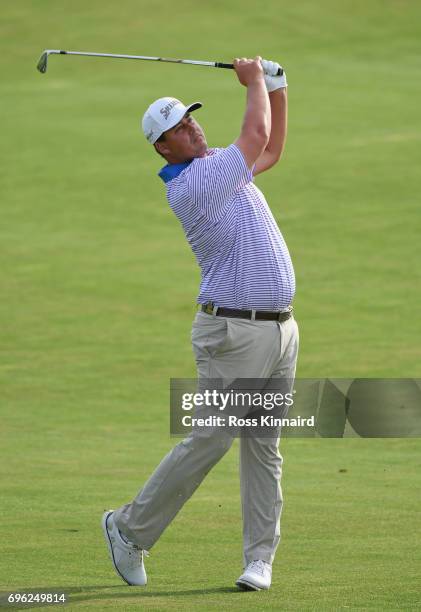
(209, 308)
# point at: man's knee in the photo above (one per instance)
(263, 450)
(211, 441)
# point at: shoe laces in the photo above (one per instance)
(134, 548)
(136, 553)
(257, 566)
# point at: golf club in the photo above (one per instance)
(42, 63)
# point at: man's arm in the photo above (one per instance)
(278, 134)
(214, 179)
(256, 129)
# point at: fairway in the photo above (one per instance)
(98, 291)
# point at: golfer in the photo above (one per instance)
(245, 327)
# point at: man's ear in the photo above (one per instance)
(161, 148)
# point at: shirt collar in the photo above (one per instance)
(171, 171)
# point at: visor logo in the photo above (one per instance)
(167, 109)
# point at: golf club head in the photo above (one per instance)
(42, 63)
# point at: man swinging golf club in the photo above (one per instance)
(245, 327)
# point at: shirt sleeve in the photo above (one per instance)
(212, 181)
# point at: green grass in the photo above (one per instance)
(98, 289)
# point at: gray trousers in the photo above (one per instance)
(225, 348)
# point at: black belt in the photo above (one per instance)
(260, 315)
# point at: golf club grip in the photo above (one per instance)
(222, 65)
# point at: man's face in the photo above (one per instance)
(183, 142)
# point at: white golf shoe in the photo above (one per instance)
(127, 557)
(256, 576)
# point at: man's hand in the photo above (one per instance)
(273, 82)
(248, 70)
(270, 68)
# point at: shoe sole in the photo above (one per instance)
(109, 545)
(247, 586)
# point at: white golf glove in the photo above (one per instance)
(273, 82)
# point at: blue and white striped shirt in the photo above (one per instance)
(243, 257)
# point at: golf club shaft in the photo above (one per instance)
(42, 64)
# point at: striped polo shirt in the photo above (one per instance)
(241, 252)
